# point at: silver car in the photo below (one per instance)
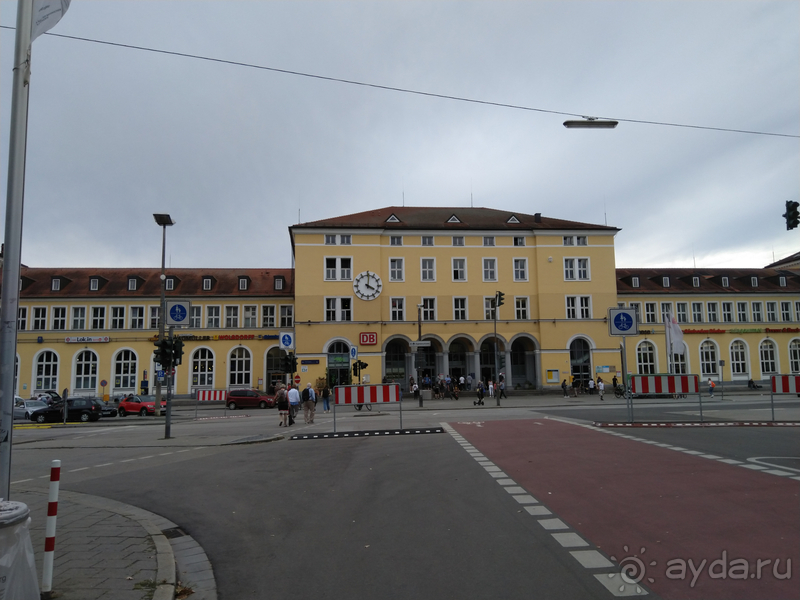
(24, 408)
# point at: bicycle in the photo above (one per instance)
(619, 391)
(360, 406)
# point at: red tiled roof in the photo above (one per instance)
(419, 217)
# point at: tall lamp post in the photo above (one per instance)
(164, 221)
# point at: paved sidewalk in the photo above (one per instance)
(108, 550)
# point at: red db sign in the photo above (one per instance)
(368, 338)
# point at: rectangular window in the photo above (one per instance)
(458, 240)
(196, 319)
(797, 311)
(330, 268)
(488, 240)
(398, 309)
(782, 281)
(489, 308)
(521, 308)
(231, 316)
(786, 311)
(22, 318)
(459, 309)
(583, 269)
(713, 317)
(170, 284)
(634, 282)
(459, 269)
(132, 284)
(330, 309)
(137, 317)
(772, 312)
(345, 269)
(650, 312)
(287, 316)
(40, 318)
(428, 269)
(520, 269)
(727, 312)
(429, 309)
(569, 240)
(338, 268)
(579, 307)
(758, 317)
(55, 284)
(585, 307)
(695, 282)
(665, 282)
(569, 269)
(519, 241)
(741, 312)
(666, 311)
(681, 308)
(427, 240)
(242, 284)
(754, 281)
(581, 240)
(489, 270)
(395, 269)
(212, 317)
(345, 240)
(250, 316)
(98, 317)
(206, 284)
(278, 283)
(396, 240)
(268, 316)
(637, 306)
(697, 312)
(117, 317)
(725, 282)
(94, 284)
(60, 318)
(330, 240)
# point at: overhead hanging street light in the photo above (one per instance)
(591, 123)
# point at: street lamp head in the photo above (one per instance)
(163, 220)
(591, 123)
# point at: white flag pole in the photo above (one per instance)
(12, 254)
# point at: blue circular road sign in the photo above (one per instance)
(177, 312)
(623, 321)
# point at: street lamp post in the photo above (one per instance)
(164, 221)
(416, 355)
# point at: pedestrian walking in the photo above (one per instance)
(601, 388)
(478, 393)
(469, 382)
(711, 386)
(491, 389)
(564, 387)
(591, 387)
(326, 399)
(282, 401)
(502, 389)
(309, 404)
(294, 403)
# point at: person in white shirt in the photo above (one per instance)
(601, 387)
(294, 400)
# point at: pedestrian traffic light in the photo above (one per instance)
(177, 351)
(290, 363)
(499, 299)
(293, 360)
(792, 215)
(163, 353)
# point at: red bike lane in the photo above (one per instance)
(697, 527)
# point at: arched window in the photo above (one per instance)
(203, 368)
(767, 352)
(646, 358)
(708, 358)
(794, 356)
(239, 371)
(86, 371)
(339, 372)
(396, 362)
(125, 370)
(738, 358)
(47, 371)
(580, 358)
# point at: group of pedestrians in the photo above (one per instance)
(589, 387)
(290, 399)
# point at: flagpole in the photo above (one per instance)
(9, 306)
(667, 322)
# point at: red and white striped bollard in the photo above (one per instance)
(50, 528)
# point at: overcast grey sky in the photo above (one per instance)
(236, 155)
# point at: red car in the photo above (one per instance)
(249, 398)
(139, 405)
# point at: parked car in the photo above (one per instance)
(78, 409)
(138, 405)
(249, 398)
(106, 409)
(23, 408)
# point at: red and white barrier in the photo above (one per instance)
(366, 394)
(786, 384)
(50, 527)
(211, 395)
(664, 384)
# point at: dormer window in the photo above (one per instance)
(782, 281)
(665, 282)
(634, 281)
(754, 281)
(695, 282)
(131, 284)
(55, 284)
(725, 282)
(242, 284)
(169, 284)
(206, 284)
(278, 283)
(94, 284)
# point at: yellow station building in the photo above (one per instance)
(410, 292)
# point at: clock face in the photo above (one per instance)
(367, 285)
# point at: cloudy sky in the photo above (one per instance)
(237, 154)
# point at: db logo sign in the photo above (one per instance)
(368, 338)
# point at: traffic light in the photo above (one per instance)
(290, 363)
(293, 361)
(502, 359)
(499, 299)
(286, 364)
(177, 351)
(792, 215)
(358, 366)
(163, 353)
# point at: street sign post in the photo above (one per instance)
(623, 322)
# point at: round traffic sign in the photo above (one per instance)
(623, 322)
(177, 313)
(297, 379)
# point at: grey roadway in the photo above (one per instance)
(398, 516)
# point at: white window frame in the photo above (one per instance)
(741, 311)
(330, 239)
(794, 356)
(650, 312)
(397, 308)
(665, 282)
(712, 312)
(169, 284)
(754, 281)
(697, 312)
(286, 312)
(708, 358)
(522, 308)
(666, 310)
(637, 307)
(646, 362)
(196, 317)
(519, 240)
(242, 284)
(395, 240)
(682, 312)
(569, 240)
(429, 309)
(489, 271)
(132, 284)
(727, 312)
(757, 311)
(94, 284)
(338, 307)
(583, 269)
(786, 311)
(460, 313)
(578, 307)
(725, 282)
(635, 281)
(206, 284)
(768, 358)
(250, 321)
(772, 311)
(738, 353)
(695, 281)
(345, 239)
(397, 270)
(39, 320)
(98, 318)
(581, 240)
(117, 317)
(488, 240)
(55, 284)
(268, 316)
(569, 269)
(520, 266)
(458, 241)
(427, 274)
(214, 316)
(426, 240)
(231, 316)
(489, 309)
(59, 317)
(137, 316)
(454, 270)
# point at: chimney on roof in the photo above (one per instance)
(537, 218)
